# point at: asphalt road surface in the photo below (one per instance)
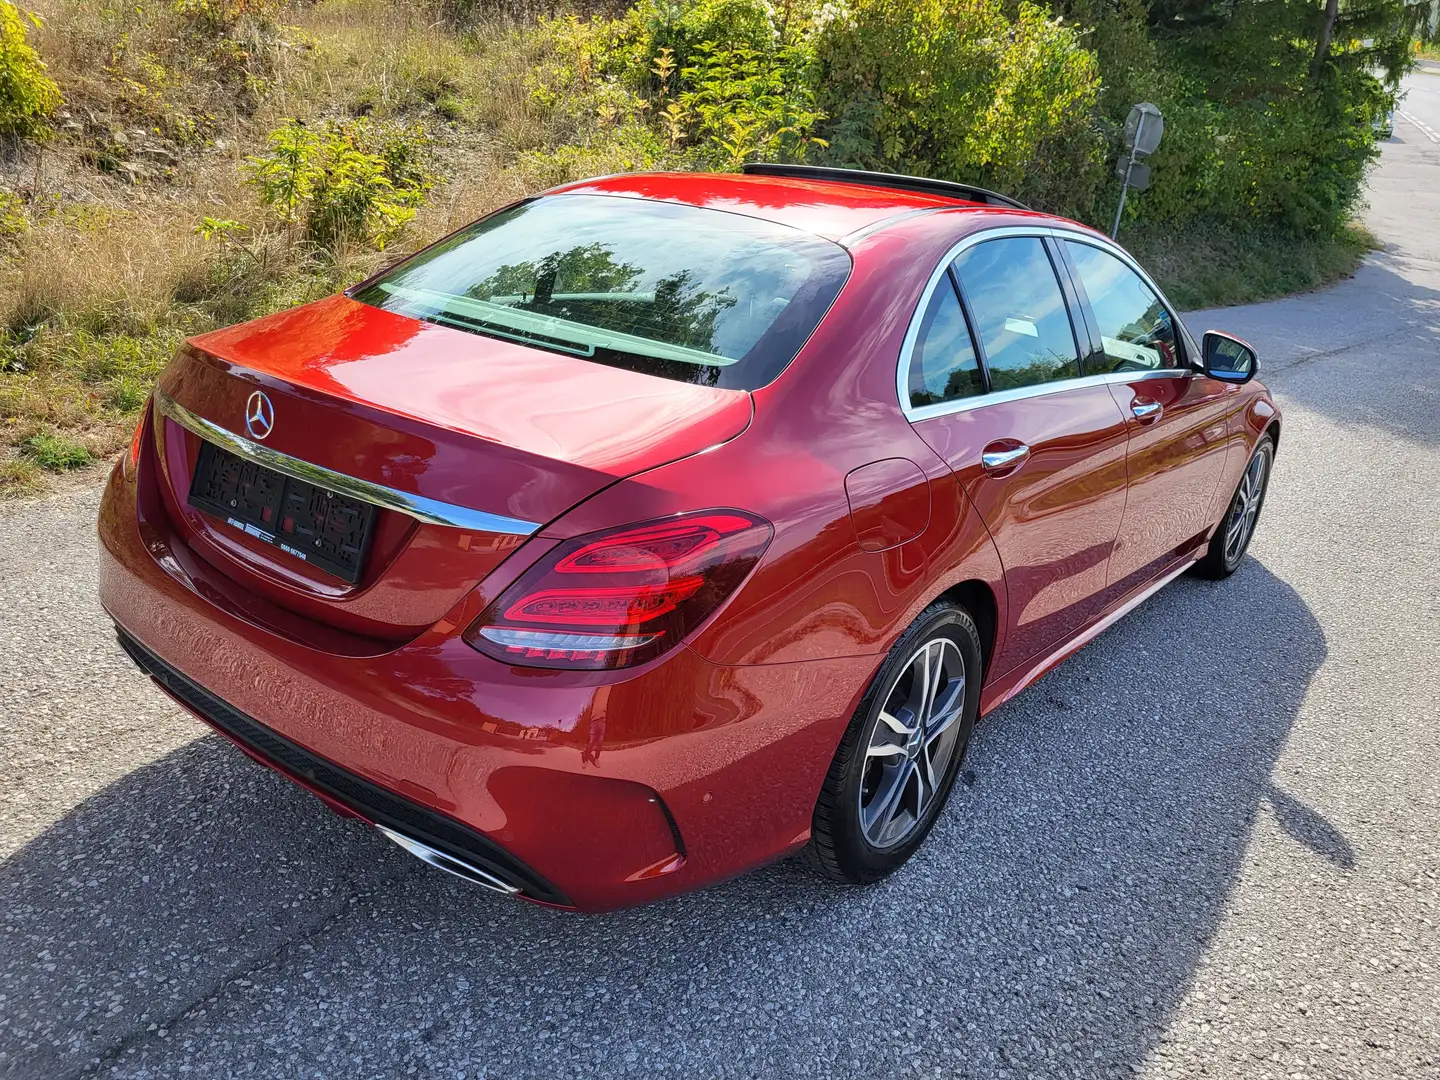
(1207, 845)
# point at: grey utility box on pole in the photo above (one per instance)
(1143, 128)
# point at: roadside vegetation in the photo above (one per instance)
(169, 166)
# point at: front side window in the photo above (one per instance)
(943, 366)
(1019, 310)
(681, 292)
(1137, 330)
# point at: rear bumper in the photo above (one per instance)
(344, 790)
(585, 790)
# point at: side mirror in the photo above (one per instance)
(1228, 359)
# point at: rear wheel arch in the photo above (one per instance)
(977, 597)
(842, 847)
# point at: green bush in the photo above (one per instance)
(55, 452)
(745, 105)
(700, 84)
(970, 90)
(348, 180)
(28, 96)
(13, 221)
(224, 18)
(1256, 134)
(683, 26)
(584, 84)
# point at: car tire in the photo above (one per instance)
(886, 754)
(1227, 547)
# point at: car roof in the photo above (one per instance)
(829, 208)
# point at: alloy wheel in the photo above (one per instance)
(912, 743)
(1246, 507)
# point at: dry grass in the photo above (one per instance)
(114, 270)
(1221, 267)
(111, 274)
(20, 477)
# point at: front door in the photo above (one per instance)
(1041, 456)
(1176, 417)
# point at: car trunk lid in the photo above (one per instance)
(466, 444)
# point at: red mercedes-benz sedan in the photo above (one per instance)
(662, 525)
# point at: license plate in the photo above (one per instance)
(325, 529)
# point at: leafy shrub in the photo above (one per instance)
(584, 83)
(225, 18)
(958, 88)
(13, 221)
(1258, 134)
(683, 26)
(344, 180)
(55, 452)
(687, 83)
(745, 104)
(28, 96)
(631, 147)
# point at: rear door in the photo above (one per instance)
(1176, 416)
(993, 382)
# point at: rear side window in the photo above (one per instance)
(943, 366)
(677, 291)
(1019, 310)
(1137, 330)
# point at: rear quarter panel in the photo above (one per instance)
(818, 593)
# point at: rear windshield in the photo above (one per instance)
(695, 295)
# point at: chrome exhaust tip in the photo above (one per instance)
(451, 865)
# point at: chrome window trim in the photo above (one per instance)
(915, 413)
(430, 511)
(1020, 393)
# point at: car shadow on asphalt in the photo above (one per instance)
(201, 908)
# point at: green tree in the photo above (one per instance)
(589, 285)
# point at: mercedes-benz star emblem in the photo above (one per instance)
(259, 415)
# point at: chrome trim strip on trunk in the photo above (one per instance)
(451, 865)
(431, 511)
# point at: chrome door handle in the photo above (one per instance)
(1003, 459)
(1146, 410)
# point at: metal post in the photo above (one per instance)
(1120, 209)
(1125, 180)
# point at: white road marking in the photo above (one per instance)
(1425, 129)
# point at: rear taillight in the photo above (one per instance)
(132, 457)
(621, 597)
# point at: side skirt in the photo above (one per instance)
(1007, 686)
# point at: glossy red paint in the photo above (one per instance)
(1175, 461)
(825, 208)
(620, 787)
(1054, 519)
(404, 403)
(881, 519)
